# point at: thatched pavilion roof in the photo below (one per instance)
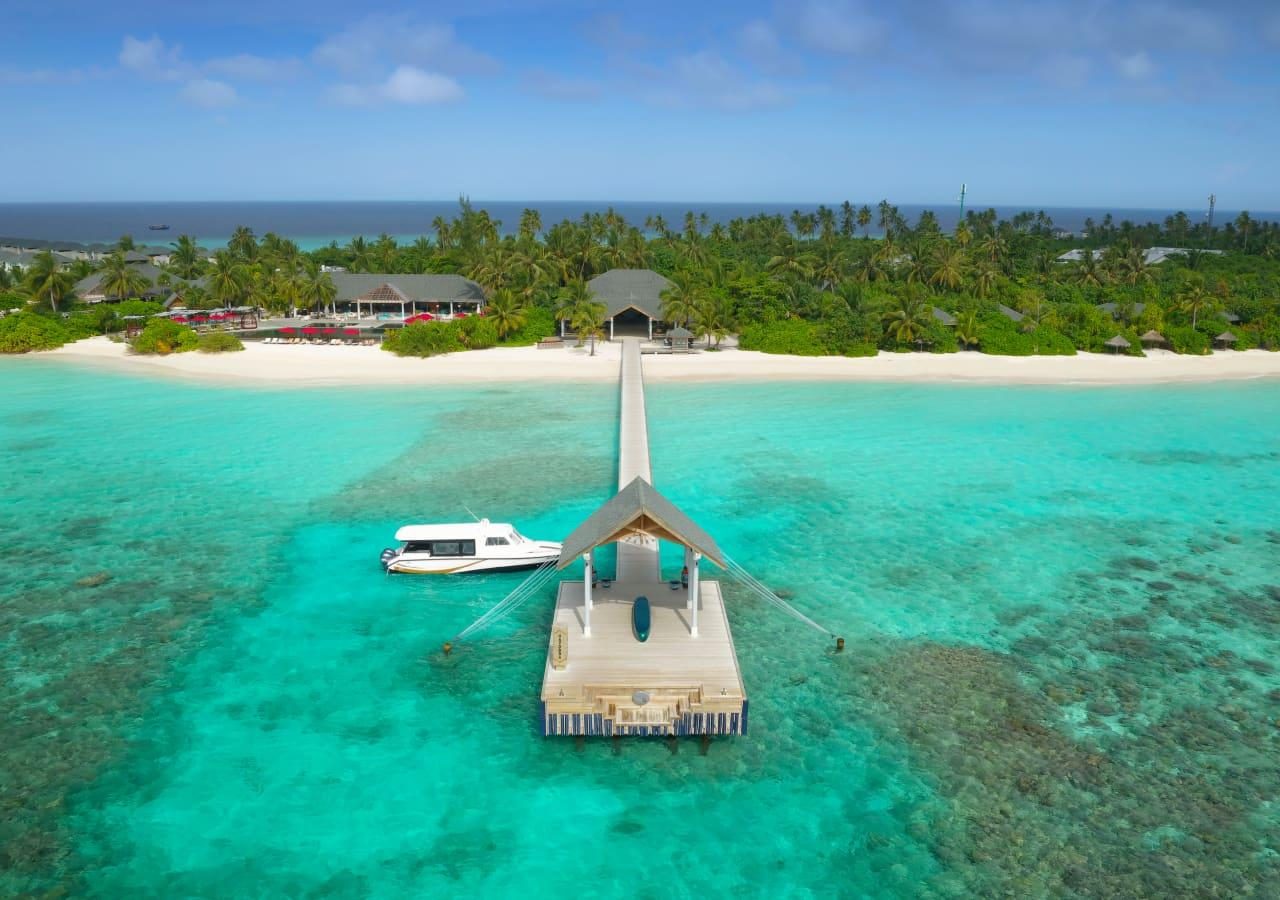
(1226, 337)
(1119, 342)
(1154, 337)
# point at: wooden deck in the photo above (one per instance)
(694, 684)
(637, 556)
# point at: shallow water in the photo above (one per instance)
(1062, 612)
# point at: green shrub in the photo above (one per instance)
(23, 332)
(219, 342)
(423, 339)
(791, 336)
(476, 332)
(1001, 336)
(538, 323)
(164, 336)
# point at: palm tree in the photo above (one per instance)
(575, 298)
(1195, 300)
(243, 244)
(120, 279)
(712, 318)
(361, 255)
(908, 322)
(1087, 272)
(228, 279)
(948, 266)
(984, 280)
(791, 261)
(864, 219)
(47, 280)
(680, 302)
(830, 266)
(185, 258)
(317, 290)
(507, 312)
(125, 244)
(967, 329)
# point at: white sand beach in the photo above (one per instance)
(303, 365)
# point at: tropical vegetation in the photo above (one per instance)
(811, 282)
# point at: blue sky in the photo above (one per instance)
(1143, 104)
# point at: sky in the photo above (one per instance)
(1041, 102)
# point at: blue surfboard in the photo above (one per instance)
(640, 618)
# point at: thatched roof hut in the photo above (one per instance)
(1226, 339)
(1118, 343)
(1154, 338)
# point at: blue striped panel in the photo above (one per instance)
(744, 716)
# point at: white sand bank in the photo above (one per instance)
(305, 365)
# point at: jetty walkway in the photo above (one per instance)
(637, 555)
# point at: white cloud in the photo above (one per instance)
(41, 76)
(1136, 66)
(407, 85)
(838, 27)
(379, 41)
(247, 67)
(706, 79)
(151, 58)
(208, 94)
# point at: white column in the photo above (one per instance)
(586, 591)
(562, 328)
(651, 329)
(688, 564)
(611, 328)
(451, 309)
(693, 590)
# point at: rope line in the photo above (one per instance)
(753, 584)
(522, 593)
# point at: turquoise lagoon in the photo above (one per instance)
(1061, 607)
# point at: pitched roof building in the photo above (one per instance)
(632, 300)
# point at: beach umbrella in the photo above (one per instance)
(1226, 338)
(1153, 337)
(1118, 343)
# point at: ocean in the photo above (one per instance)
(315, 224)
(1061, 609)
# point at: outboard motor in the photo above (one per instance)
(388, 555)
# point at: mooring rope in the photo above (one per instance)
(753, 584)
(523, 592)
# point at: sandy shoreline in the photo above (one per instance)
(289, 365)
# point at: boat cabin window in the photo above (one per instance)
(442, 548)
(496, 542)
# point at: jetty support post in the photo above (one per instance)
(693, 592)
(586, 590)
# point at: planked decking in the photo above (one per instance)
(637, 556)
(694, 684)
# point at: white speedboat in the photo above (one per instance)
(467, 548)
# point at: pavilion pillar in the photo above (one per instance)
(611, 328)
(586, 593)
(651, 329)
(693, 592)
(402, 309)
(562, 329)
(451, 309)
(688, 568)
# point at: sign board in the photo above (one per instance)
(559, 647)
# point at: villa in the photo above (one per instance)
(406, 295)
(89, 289)
(632, 299)
(1151, 256)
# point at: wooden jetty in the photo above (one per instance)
(599, 679)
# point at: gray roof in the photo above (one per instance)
(623, 289)
(680, 332)
(89, 283)
(944, 317)
(638, 507)
(136, 256)
(1117, 341)
(1010, 313)
(441, 288)
(1229, 316)
(1114, 308)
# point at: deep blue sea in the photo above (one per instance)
(1061, 606)
(316, 224)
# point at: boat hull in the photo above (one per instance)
(462, 565)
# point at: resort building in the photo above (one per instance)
(406, 295)
(1151, 256)
(632, 300)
